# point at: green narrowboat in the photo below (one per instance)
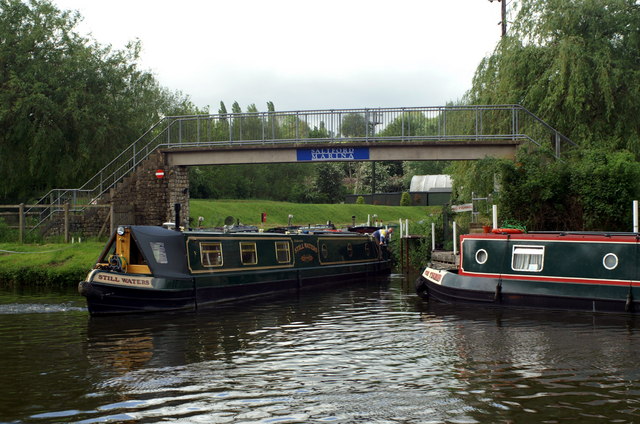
(586, 271)
(150, 269)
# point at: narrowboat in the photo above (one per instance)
(585, 271)
(150, 269)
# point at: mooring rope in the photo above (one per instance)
(42, 251)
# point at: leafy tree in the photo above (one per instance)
(592, 190)
(606, 183)
(328, 185)
(574, 64)
(410, 124)
(405, 200)
(251, 124)
(353, 125)
(66, 101)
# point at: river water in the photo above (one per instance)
(371, 352)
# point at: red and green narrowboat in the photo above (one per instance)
(586, 271)
(150, 269)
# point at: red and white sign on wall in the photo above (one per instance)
(160, 173)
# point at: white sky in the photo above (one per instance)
(327, 54)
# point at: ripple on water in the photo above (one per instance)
(39, 308)
(375, 356)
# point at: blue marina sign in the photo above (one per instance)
(333, 154)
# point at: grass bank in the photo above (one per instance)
(52, 264)
(249, 212)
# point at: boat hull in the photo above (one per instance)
(450, 287)
(106, 300)
(203, 291)
(150, 269)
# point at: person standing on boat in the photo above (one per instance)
(382, 236)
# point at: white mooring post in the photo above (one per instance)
(406, 228)
(495, 215)
(455, 243)
(635, 216)
(433, 236)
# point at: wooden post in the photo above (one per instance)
(21, 222)
(401, 251)
(66, 222)
(113, 228)
(407, 254)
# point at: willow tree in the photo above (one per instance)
(574, 63)
(67, 104)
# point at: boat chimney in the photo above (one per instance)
(177, 208)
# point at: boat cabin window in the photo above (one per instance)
(610, 261)
(527, 258)
(211, 254)
(159, 252)
(481, 256)
(248, 253)
(283, 252)
(325, 251)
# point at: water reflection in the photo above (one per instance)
(520, 365)
(371, 353)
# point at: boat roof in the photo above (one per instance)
(558, 235)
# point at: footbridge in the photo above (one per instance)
(405, 133)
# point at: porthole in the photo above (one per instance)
(482, 256)
(325, 251)
(610, 261)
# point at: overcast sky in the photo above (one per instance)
(301, 54)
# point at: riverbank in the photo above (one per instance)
(51, 264)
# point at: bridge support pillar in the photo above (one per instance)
(144, 199)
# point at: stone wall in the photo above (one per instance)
(140, 199)
(144, 199)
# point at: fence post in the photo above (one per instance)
(111, 220)
(21, 222)
(66, 222)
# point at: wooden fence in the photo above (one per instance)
(21, 213)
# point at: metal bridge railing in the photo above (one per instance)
(405, 124)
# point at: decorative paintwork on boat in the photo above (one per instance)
(596, 272)
(146, 269)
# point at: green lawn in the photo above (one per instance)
(249, 212)
(52, 264)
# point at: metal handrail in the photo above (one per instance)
(406, 124)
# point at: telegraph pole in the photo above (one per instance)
(504, 16)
